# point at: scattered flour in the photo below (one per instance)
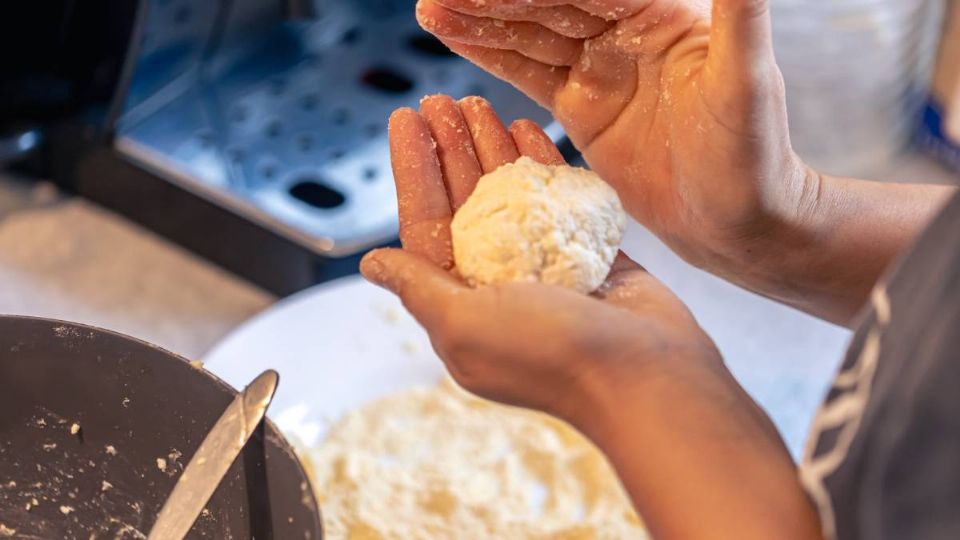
(438, 463)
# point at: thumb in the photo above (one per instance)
(623, 263)
(631, 287)
(741, 44)
(425, 289)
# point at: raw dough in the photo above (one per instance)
(437, 463)
(529, 222)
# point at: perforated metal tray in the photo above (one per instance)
(284, 121)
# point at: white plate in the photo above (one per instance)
(336, 346)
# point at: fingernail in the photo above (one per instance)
(372, 268)
(474, 102)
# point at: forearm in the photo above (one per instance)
(700, 459)
(826, 260)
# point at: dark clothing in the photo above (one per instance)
(883, 460)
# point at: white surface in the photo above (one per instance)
(338, 345)
(335, 346)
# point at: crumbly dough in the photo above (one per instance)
(529, 222)
(437, 463)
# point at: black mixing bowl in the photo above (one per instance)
(96, 427)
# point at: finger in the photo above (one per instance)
(529, 39)
(534, 143)
(458, 159)
(604, 82)
(535, 79)
(565, 20)
(421, 195)
(424, 288)
(740, 43)
(494, 145)
(741, 30)
(420, 190)
(607, 9)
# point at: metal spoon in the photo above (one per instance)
(214, 457)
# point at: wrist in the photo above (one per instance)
(654, 365)
(782, 241)
(683, 430)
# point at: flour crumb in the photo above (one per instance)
(110, 450)
(197, 364)
(409, 346)
(162, 464)
(65, 510)
(104, 486)
(389, 314)
(7, 531)
(173, 458)
(74, 428)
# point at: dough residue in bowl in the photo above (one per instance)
(438, 463)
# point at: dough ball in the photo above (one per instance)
(529, 222)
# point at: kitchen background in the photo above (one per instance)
(202, 161)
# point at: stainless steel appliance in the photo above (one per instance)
(253, 131)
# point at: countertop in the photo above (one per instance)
(67, 258)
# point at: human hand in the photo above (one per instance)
(685, 117)
(532, 345)
(628, 366)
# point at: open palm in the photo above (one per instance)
(497, 340)
(686, 119)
